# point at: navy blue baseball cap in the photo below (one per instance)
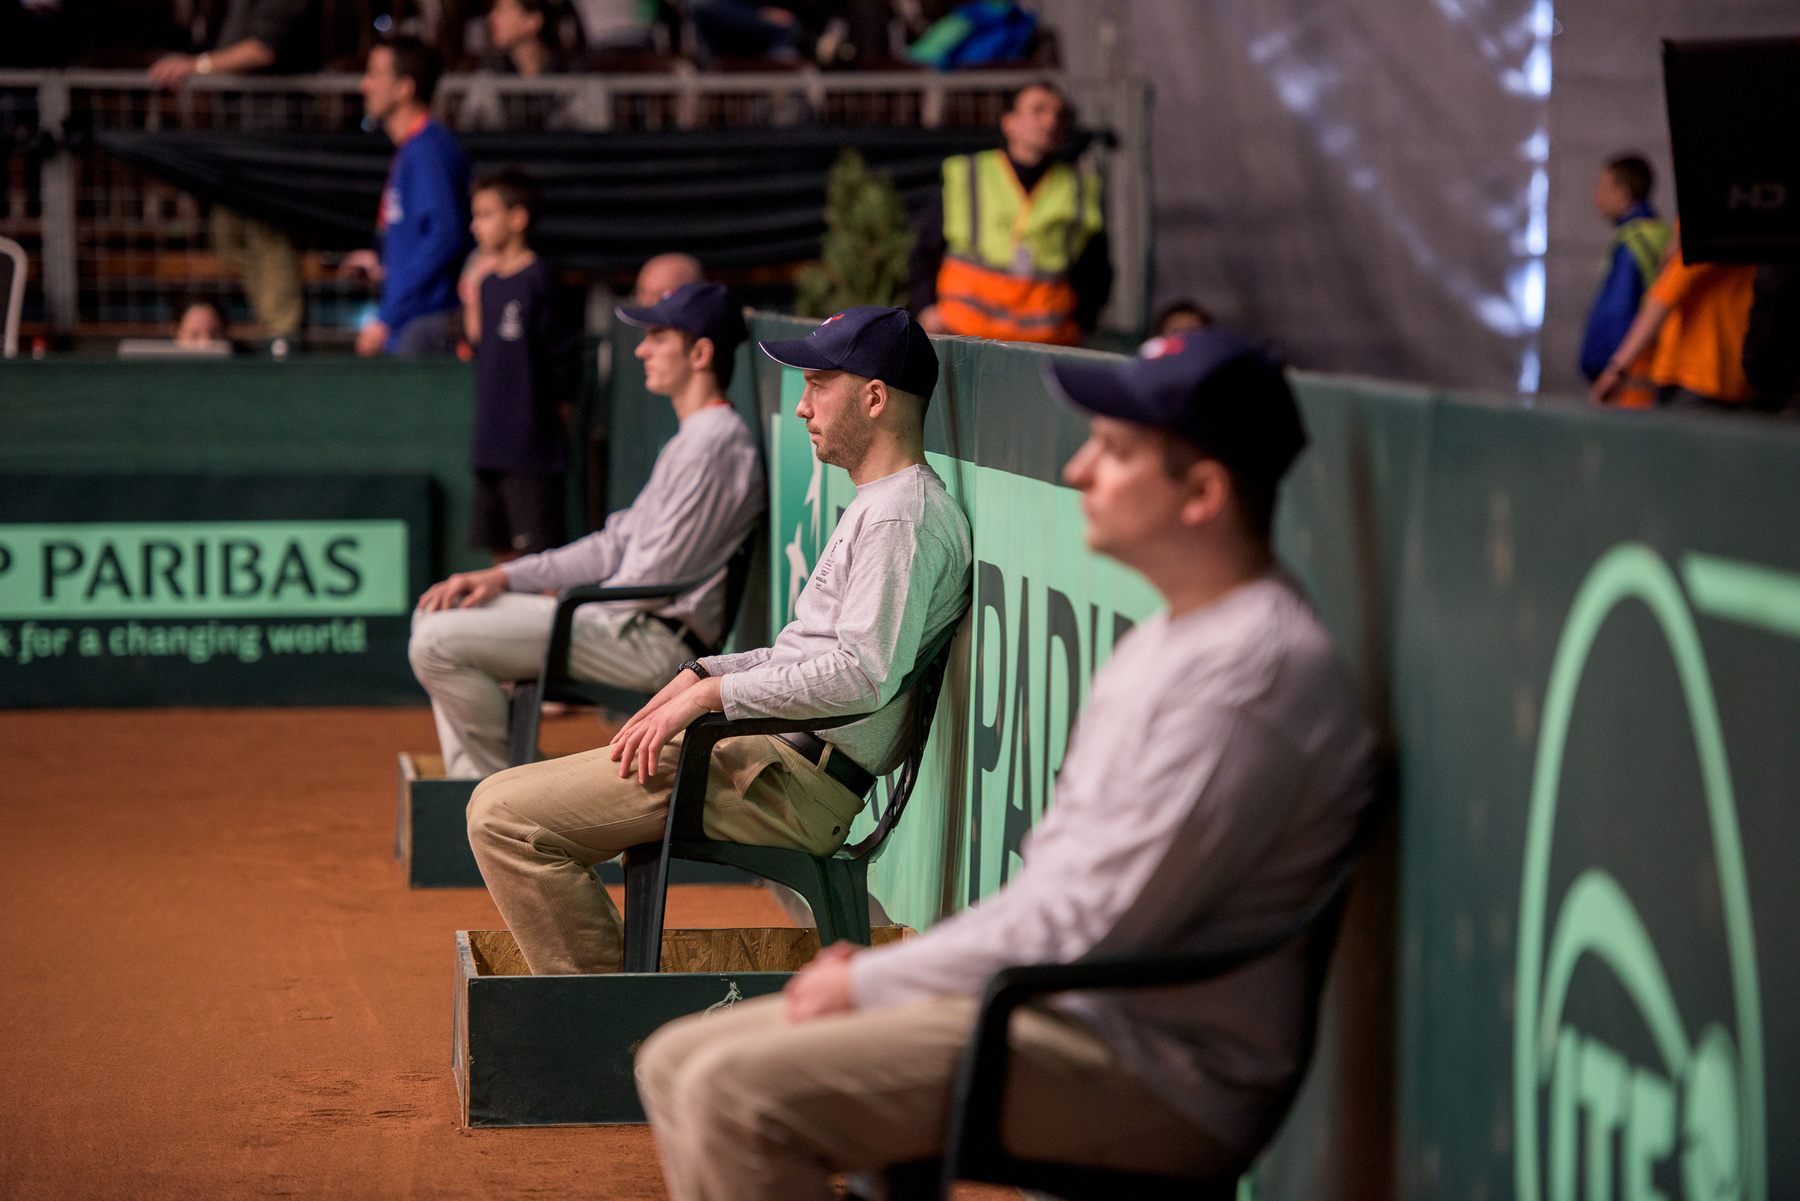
(1225, 394)
(704, 309)
(870, 341)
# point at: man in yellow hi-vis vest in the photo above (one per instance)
(1014, 246)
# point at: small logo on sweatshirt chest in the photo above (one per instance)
(511, 329)
(827, 561)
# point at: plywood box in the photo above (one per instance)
(558, 1050)
(431, 831)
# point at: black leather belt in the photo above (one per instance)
(838, 765)
(688, 638)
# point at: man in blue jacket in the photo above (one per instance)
(424, 219)
(1632, 260)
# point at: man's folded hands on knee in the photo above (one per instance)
(822, 987)
(464, 590)
(641, 740)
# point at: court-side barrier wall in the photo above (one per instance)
(1572, 955)
(238, 532)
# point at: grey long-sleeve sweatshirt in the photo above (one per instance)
(703, 495)
(1209, 793)
(894, 574)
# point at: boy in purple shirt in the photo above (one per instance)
(524, 359)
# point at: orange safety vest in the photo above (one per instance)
(1007, 253)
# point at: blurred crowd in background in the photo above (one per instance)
(526, 37)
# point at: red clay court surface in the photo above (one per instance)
(216, 984)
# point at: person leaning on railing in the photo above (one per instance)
(1213, 788)
(281, 37)
(894, 576)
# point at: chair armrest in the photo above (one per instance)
(687, 800)
(587, 594)
(973, 1137)
(555, 671)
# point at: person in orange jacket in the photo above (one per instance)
(1689, 332)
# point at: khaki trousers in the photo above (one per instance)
(537, 830)
(461, 655)
(265, 256)
(746, 1105)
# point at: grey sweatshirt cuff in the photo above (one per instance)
(524, 575)
(729, 685)
(873, 982)
(725, 665)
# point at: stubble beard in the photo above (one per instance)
(846, 448)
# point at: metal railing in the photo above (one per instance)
(114, 250)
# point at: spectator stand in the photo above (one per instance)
(114, 249)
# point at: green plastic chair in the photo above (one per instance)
(554, 683)
(836, 886)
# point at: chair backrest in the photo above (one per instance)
(12, 294)
(737, 576)
(921, 709)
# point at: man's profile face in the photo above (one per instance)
(1034, 128)
(1610, 196)
(1129, 499)
(667, 358)
(379, 87)
(840, 427)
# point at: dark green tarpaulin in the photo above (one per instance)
(733, 198)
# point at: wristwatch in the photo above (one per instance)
(695, 666)
(203, 65)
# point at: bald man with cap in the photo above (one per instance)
(893, 576)
(479, 628)
(1210, 791)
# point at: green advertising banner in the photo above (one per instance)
(1598, 687)
(77, 570)
(144, 589)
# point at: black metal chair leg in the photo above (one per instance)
(842, 911)
(646, 885)
(522, 722)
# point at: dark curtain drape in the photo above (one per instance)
(733, 198)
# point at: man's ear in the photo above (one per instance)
(700, 354)
(876, 398)
(1209, 491)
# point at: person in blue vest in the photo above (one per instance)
(1632, 261)
(423, 223)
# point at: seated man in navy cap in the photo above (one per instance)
(1211, 791)
(894, 575)
(478, 628)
